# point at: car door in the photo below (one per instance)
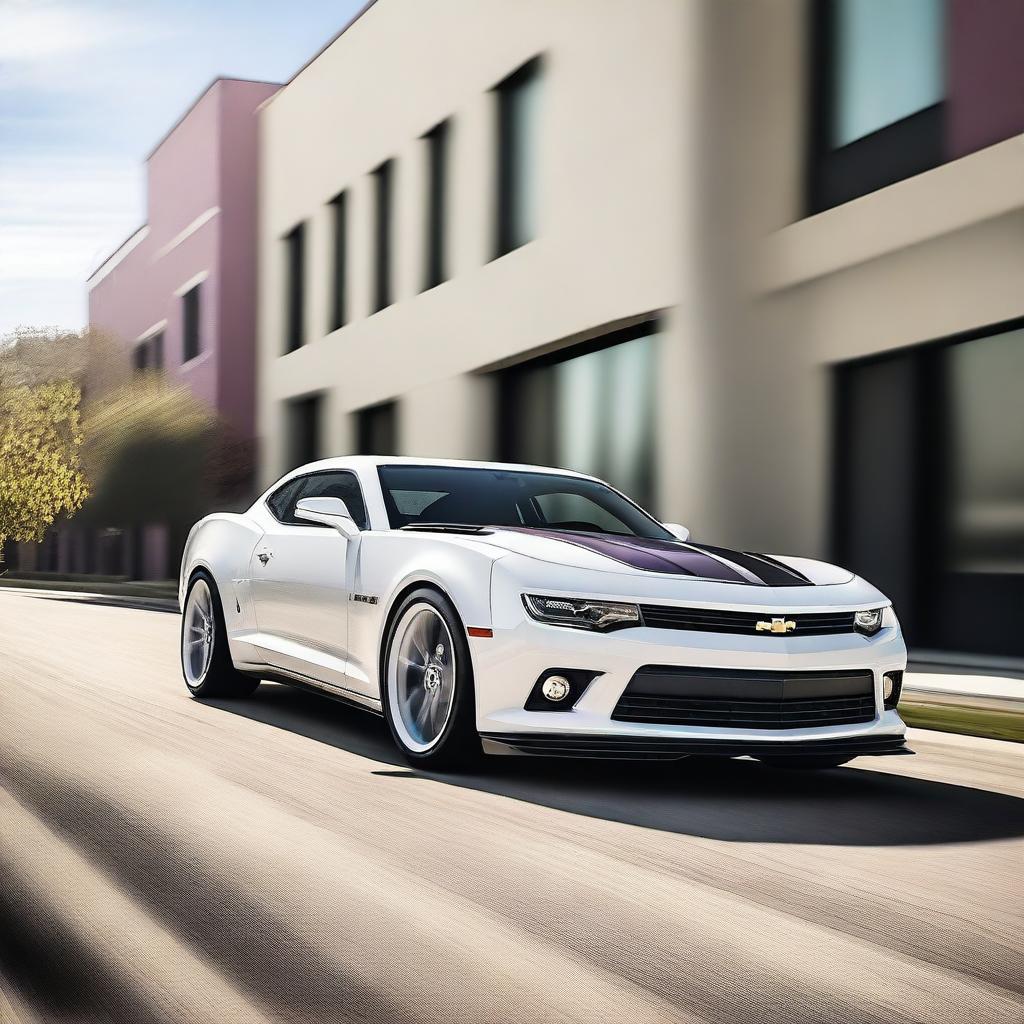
(301, 575)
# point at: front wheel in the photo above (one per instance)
(205, 659)
(428, 695)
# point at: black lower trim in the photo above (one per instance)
(310, 685)
(642, 748)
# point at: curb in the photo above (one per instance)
(156, 604)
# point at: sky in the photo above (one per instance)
(87, 87)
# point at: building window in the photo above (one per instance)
(295, 287)
(338, 252)
(377, 429)
(554, 411)
(149, 354)
(303, 430)
(888, 64)
(190, 321)
(879, 82)
(946, 542)
(383, 185)
(434, 257)
(518, 99)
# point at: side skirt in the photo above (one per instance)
(308, 683)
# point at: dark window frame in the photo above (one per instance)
(315, 401)
(140, 356)
(363, 423)
(506, 196)
(337, 314)
(383, 214)
(295, 288)
(929, 395)
(191, 321)
(435, 247)
(156, 351)
(900, 150)
(301, 477)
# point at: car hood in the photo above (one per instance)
(612, 553)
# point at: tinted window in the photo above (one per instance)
(295, 285)
(518, 103)
(555, 413)
(190, 324)
(494, 497)
(333, 484)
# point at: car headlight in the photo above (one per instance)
(868, 622)
(581, 612)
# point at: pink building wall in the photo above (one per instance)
(202, 182)
(201, 223)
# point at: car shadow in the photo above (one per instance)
(729, 800)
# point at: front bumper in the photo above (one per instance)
(507, 665)
(667, 748)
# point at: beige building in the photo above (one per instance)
(759, 264)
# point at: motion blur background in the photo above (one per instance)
(758, 263)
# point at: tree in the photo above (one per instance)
(152, 453)
(40, 458)
(147, 450)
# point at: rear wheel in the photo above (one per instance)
(205, 659)
(805, 763)
(428, 684)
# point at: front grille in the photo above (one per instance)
(663, 695)
(713, 620)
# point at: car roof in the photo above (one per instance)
(366, 462)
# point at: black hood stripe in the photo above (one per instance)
(770, 571)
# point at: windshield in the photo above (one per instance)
(465, 496)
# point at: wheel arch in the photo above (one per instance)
(406, 588)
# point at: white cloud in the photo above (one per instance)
(58, 218)
(33, 30)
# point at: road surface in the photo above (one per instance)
(163, 859)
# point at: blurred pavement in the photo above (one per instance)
(272, 859)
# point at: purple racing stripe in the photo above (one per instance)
(646, 553)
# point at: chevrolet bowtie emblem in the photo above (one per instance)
(777, 625)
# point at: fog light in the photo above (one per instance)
(555, 688)
(892, 687)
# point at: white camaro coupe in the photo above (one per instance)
(535, 611)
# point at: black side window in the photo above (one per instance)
(332, 484)
(284, 498)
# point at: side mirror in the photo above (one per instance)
(328, 511)
(680, 532)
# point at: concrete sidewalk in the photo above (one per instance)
(953, 687)
(149, 599)
(964, 702)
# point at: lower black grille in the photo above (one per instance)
(713, 620)
(746, 700)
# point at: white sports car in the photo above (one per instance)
(535, 611)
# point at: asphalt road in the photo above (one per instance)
(272, 860)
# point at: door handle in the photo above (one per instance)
(264, 556)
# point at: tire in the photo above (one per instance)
(208, 672)
(807, 764)
(427, 689)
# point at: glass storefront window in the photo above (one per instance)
(592, 413)
(987, 451)
(888, 63)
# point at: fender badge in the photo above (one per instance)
(363, 598)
